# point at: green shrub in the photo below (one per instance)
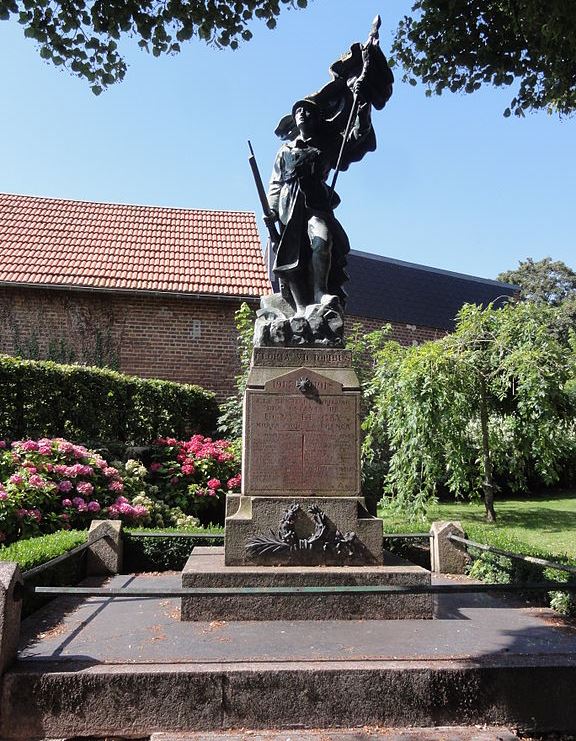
(160, 554)
(45, 399)
(497, 569)
(35, 551)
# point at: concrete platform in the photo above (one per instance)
(206, 568)
(130, 668)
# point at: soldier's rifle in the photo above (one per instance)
(269, 219)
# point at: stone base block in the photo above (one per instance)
(205, 568)
(262, 516)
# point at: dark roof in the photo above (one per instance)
(403, 292)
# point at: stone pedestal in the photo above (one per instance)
(301, 499)
(301, 520)
(205, 568)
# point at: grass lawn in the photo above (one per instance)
(545, 522)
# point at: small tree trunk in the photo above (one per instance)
(488, 482)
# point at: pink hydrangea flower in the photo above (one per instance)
(21, 513)
(28, 445)
(93, 507)
(125, 509)
(155, 467)
(37, 481)
(66, 502)
(116, 486)
(188, 469)
(140, 510)
(110, 472)
(78, 502)
(85, 488)
(65, 486)
(65, 446)
(3, 494)
(214, 483)
(36, 514)
(234, 482)
(3, 444)
(15, 479)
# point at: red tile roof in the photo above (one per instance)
(61, 243)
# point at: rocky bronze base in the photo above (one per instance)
(279, 325)
(205, 568)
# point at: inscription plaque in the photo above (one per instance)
(290, 357)
(298, 443)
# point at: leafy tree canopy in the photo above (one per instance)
(547, 280)
(461, 45)
(491, 404)
(83, 34)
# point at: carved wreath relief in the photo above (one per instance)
(324, 539)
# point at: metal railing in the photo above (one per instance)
(190, 536)
(510, 554)
(150, 592)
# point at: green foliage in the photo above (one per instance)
(460, 46)
(428, 402)
(42, 398)
(35, 551)
(551, 282)
(365, 347)
(546, 280)
(230, 419)
(160, 554)
(84, 35)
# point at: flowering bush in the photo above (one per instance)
(52, 484)
(194, 475)
(137, 486)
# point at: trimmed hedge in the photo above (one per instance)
(160, 554)
(35, 551)
(46, 399)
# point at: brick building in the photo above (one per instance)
(153, 291)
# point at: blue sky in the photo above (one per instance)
(452, 185)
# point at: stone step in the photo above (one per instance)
(441, 733)
(86, 699)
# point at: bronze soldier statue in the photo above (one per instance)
(325, 132)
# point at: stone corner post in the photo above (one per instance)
(10, 612)
(104, 555)
(446, 556)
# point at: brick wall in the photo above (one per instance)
(190, 340)
(405, 334)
